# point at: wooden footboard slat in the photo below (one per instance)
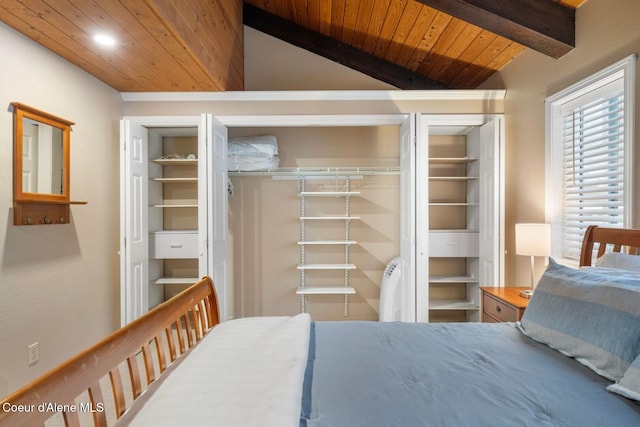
(83, 373)
(118, 392)
(211, 302)
(172, 348)
(197, 317)
(207, 313)
(148, 363)
(187, 329)
(71, 419)
(96, 399)
(205, 316)
(204, 322)
(134, 376)
(162, 360)
(180, 333)
(191, 318)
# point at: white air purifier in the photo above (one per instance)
(391, 293)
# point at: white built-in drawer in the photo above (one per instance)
(453, 244)
(173, 244)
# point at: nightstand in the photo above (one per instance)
(502, 304)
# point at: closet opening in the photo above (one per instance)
(316, 230)
(173, 211)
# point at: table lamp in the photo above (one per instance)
(533, 240)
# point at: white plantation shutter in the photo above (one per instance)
(593, 169)
(590, 146)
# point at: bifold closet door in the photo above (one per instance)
(408, 217)
(492, 206)
(217, 208)
(134, 280)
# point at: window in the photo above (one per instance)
(589, 157)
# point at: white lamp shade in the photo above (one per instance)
(533, 239)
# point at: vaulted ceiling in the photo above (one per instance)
(176, 45)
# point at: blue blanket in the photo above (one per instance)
(471, 374)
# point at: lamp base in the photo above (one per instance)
(526, 294)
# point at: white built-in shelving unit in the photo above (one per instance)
(173, 184)
(306, 197)
(453, 233)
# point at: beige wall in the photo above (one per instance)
(58, 283)
(606, 31)
(271, 64)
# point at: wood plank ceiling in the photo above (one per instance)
(163, 45)
(173, 45)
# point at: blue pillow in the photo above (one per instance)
(592, 317)
(629, 385)
(618, 272)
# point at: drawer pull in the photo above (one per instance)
(498, 309)
(453, 243)
(176, 245)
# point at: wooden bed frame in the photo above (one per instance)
(608, 240)
(159, 338)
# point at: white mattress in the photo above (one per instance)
(245, 372)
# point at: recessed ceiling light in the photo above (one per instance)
(104, 40)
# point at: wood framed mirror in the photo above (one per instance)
(41, 165)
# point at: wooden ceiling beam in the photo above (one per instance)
(335, 50)
(543, 25)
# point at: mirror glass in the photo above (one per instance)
(42, 158)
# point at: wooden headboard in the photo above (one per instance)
(153, 341)
(608, 240)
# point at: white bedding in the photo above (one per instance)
(251, 153)
(245, 372)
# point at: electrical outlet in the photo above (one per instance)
(34, 353)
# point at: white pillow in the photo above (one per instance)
(619, 260)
